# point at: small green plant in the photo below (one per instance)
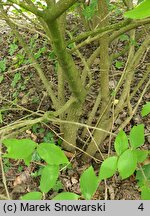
(7, 164)
(36, 128)
(20, 168)
(1, 78)
(124, 37)
(51, 55)
(12, 49)
(16, 79)
(33, 41)
(37, 173)
(146, 109)
(2, 69)
(16, 84)
(40, 52)
(49, 137)
(58, 186)
(90, 10)
(53, 156)
(2, 65)
(129, 156)
(143, 178)
(119, 64)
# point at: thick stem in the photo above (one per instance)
(70, 131)
(99, 137)
(104, 55)
(72, 75)
(66, 62)
(105, 122)
(52, 13)
(92, 113)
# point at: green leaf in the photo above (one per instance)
(49, 138)
(66, 196)
(2, 65)
(58, 186)
(108, 168)
(13, 48)
(19, 149)
(28, 159)
(16, 79)
(121, 142)
(52, 154)
(127, 163)
(32, 196)
(124, 37)
(139, 1)
(88, 183)
(140, 11)
(137, 136)
(119, 64)
(141, 155)
(140, 177)
(90, 10)
(146, 109)
(48, 178)
(146, 170)
(1, 78)
(145, 193)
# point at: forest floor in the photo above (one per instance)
(19, 84)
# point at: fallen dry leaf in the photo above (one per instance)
(22, 178)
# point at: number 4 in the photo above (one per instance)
(141, 207)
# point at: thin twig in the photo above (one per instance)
(95, 143)
(95, 159)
